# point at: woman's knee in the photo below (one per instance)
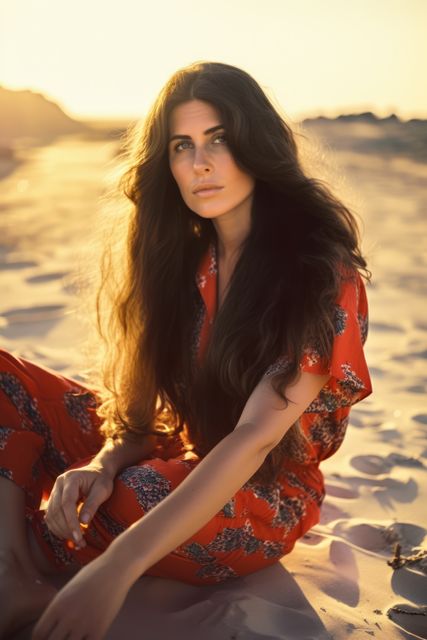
(139, 488)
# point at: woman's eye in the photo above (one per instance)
(221, 135)
(178, 146)
(182, 145)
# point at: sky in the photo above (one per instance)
(109, 59)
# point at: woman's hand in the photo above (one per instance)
(91, 484)
(85, 607)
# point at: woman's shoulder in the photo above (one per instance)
(352, 294)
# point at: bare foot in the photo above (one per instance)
(23, 595)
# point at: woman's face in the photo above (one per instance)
(198, 155)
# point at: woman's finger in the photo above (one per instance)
(99, 493)
(70, 497)
(54, 517)
(44, 628)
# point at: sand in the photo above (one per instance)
(336, 583)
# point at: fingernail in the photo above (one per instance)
(76, 537)
(84, 518)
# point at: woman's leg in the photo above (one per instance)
(252, 531)
(24, 591)
(47, 422)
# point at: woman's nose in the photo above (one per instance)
(201, 160)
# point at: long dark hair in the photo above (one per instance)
(282, 291)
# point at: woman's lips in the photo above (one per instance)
(206, 193)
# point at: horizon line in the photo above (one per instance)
(303, 114)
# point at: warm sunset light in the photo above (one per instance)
(102, 59)
(212, 320)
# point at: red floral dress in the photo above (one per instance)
(324, 422)
(48, 423)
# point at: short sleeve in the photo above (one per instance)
(347, 364)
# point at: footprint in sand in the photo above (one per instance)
(420, 417)
(365, 536)
(410, 583)
(339, 491)
(410, 618)
(388, 431)
(416, 388)
(376, 465)
(18, 264)
(382, 326)
(404, 461)
(386, 489)
(377, 372)
(346, 588)
(371, 464)
(407, 534)
(33, 314)
(46, 277)
(379, 537)
(410, 356)
(331, 512)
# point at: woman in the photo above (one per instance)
(234, 353)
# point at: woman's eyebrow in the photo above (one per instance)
(211, 130)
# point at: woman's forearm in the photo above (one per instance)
(115, 455)
(190, 506)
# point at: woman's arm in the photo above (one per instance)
(115, 455)
(215, 479)
(174, 520)
(93, 483)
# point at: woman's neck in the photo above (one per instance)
(231, 231)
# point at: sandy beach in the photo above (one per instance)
(336, 583)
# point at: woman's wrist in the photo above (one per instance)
(129, 561)
(106, 459)
(115, 455)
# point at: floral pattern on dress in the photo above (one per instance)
(109, 523)
(201, 281)
(296, 481)
(77, 403)
(363, 324)
(340, 320)
(6, 473)
(281, 365)
(212, 265)
(330, 399)
(218, 571)
(150, 486)
(324, 421)
(229, 540)
(311, 356)
(229, 509)
(243, 539)
(32, 420)
(235, 538)
(328, 434)
(286, 511)
(5, 432)
(351, 380)
(209, 566)
(270, 493)
(292, 509)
